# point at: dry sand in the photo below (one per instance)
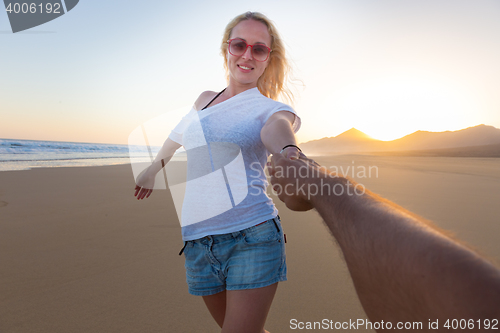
(80, 254)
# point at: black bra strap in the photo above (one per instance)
(213, 99)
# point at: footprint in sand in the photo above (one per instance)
(3, 203)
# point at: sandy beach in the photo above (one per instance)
(80, 254)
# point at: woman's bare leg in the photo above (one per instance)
(216, 304)
(246, 310)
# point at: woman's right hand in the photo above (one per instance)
(146, 180)
(144, 186)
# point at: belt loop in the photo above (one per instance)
(276, 224)
(279, 218)
(182, 250)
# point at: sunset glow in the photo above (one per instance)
(369, 65)
(391, 107)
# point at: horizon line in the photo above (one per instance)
(326, 137)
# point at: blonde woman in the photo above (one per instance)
(235, 256)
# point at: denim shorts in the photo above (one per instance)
(246, 259)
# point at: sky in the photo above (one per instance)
(386, 67)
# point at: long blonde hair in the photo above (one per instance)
(273, 82)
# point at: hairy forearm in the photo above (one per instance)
(403, 268)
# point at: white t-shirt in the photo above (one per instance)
(225, 188)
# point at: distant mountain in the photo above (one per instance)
(355, 141)
(471, 136)
(354, 134)
(352, 140)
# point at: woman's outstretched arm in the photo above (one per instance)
(146, 180)
(277, 133)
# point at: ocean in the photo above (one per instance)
(29, 154)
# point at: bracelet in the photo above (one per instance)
(290, 146)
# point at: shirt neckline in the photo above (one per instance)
(237, 95)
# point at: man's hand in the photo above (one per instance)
(287, 182)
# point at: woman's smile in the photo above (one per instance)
(245, 68)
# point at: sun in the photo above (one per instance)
(390, 107)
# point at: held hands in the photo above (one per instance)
(290, 187)
(291, 153)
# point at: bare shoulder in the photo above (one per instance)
(282, 115)
(203, 99)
